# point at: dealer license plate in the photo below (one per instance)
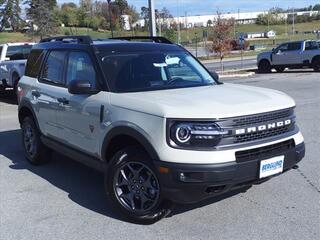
(271, 166)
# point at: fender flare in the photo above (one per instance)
(26, 104)
(264, 59)
(130, 132)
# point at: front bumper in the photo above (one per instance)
(190, 183)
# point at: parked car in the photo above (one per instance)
(13, 59)
(150, 116)
(298, 54)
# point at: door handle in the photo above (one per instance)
(64, 101)
(35, 93)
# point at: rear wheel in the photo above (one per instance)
(35, 152)
(264, 67)
(280, 69)
(316, 64)
(133, 186)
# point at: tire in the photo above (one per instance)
(264, 67)
(280, 69)
(316, 64)
(133, 186)
(35, 152)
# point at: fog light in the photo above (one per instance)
(182, 177)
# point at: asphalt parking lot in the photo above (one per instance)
(65, 200)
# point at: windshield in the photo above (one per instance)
(135, 72)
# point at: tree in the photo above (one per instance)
(164, 16)
(316, 7)
(209, 23)
(41, 14)
(122, 6)
(145, 15)
(11, 14)
(221, 37)
(68, 15)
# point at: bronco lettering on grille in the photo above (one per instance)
(263, 127)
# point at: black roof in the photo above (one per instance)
(121, 44)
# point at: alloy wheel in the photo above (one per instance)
(136, 187)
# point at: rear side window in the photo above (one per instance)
(18, 52)
(34, 63)
(53, 67)
(294, 46)
(311, 45)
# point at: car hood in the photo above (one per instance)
(218, 101)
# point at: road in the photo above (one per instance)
(65, 200)
(232, 64)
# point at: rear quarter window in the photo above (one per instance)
(20, 52)
(34, 63)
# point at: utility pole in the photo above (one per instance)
(110, 17)
(152, 19)
(293, 31)
(179, 30)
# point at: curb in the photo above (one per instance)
(228, 59)
(238, 75)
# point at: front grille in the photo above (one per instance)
(263, 134)
(264, 117)
(264, 152)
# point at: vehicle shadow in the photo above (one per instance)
(83, 185)
(8, 97)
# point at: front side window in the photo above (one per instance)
(53, 67)
(80, 67)
(282, 48)
(18, 52)
(131, 72)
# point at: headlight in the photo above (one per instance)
(194, 134)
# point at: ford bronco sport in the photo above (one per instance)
(160, 126)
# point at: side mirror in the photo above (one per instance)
(81, 87)
(214, 75)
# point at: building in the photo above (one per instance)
(240, 18)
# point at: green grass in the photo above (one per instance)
(6, 37)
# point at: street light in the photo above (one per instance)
(110, 17)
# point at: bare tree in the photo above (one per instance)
(221, 37)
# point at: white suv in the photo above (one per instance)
(149, 115)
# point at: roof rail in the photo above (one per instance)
(68, 39)
(154, 39)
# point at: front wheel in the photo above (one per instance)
(134, 188)
(36, 153)
(264, 67)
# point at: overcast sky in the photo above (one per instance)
(196, 7)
